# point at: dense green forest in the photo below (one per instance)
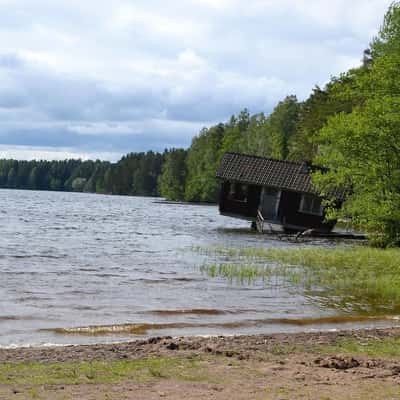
(134, 174)
(351, 126)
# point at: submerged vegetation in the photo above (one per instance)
(367, 275)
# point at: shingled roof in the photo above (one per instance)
(261, 171)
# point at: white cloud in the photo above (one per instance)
(132, 75)
(49, 153)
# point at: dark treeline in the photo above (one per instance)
(134, 174)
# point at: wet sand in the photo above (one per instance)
(280, 366)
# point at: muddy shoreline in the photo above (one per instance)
(268, 367)
(243, 347)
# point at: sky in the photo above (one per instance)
(98, 79)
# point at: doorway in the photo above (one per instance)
(269, 205)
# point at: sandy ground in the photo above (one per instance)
(282, 366)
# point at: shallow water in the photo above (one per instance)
(84, 268)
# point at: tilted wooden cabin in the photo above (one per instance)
(271, 191)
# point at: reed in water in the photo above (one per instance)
(360, 272)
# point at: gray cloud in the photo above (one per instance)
(96, 77)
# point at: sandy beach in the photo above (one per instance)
(362, 364)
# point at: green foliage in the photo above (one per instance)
(134, 174)
(255, 140)
(173, 176)
(234, 132)
(78, 184)
(202, 161)
(388, 39)
(282, 126)
(362, 149)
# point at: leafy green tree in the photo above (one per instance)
(33, 178)
(256, 139)
(281, 126)
(12, 178)
(388, 39)
(78, 184)
(173, 177)
(362, 148)
(202, 161)
(234, 132)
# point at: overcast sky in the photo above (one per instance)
(98, 79)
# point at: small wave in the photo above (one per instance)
(144, 328)
(94, 330)
(8, 318)
(84, 308)
(108, 275)
(32, 298)
(199, 311)
(5, 318)
(29, 256)
(13, 346)
(166, 280)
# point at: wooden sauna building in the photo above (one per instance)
(272, 194)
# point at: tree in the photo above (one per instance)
(362, 148)
(388, 39)
(281, 125)
(33, 178)
(202, 161)
(234, 133)
(173, 177)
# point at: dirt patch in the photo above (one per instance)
(241, 367)
(338, 362)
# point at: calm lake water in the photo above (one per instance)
(84, 268)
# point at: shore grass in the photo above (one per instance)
(383, 348)
(95, 372)
(360, 271)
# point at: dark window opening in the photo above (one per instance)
(311, 205)
(238, 192)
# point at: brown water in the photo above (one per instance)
(82, 268)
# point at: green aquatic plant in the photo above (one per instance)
(359, 272)
(239, 272)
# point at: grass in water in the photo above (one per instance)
(101, 371)
(241, 272)
(362, 272)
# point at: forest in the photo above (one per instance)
(351, 126)
(135, 174)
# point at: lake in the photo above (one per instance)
(84, 268)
